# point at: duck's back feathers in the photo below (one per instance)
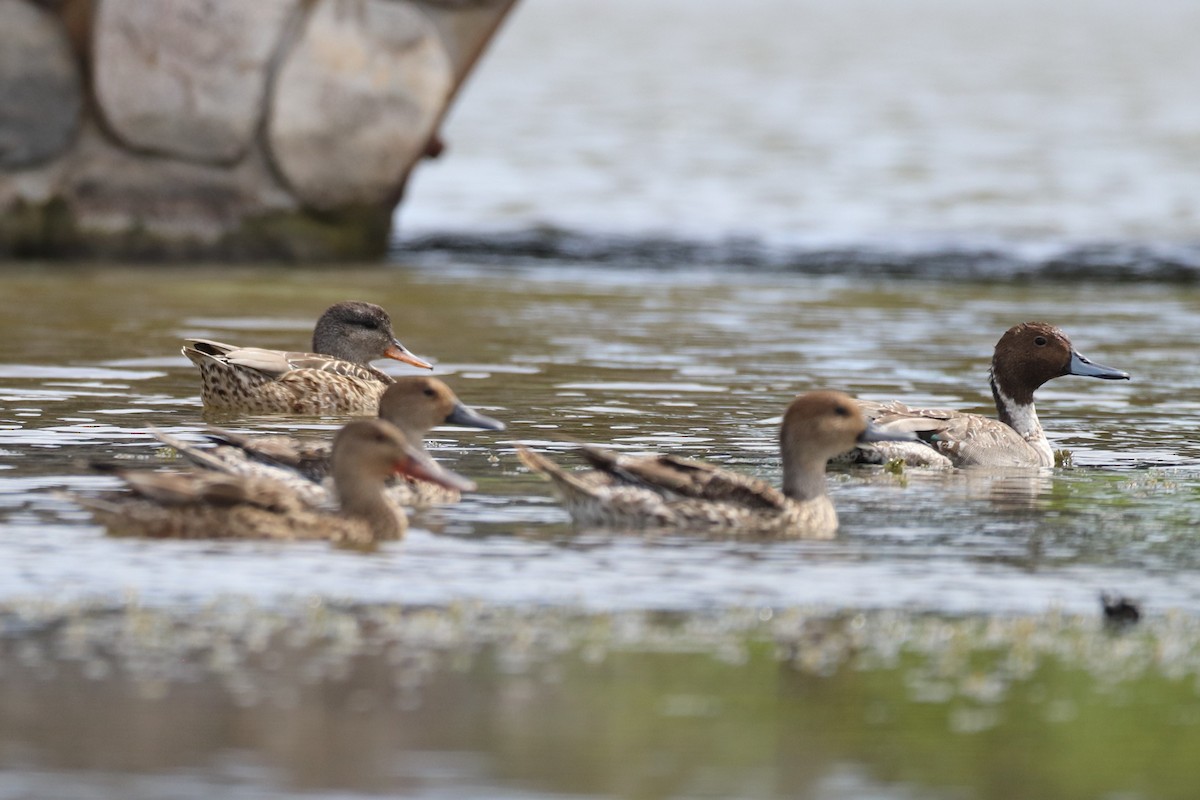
(668, 492)
(309, 458)
(259, 381)
(212, 505)
(683, 477)
(947, 438)
(304, 466)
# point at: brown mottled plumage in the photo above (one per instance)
(414, 404)
(1027, 356)
(336, 378)
(204, 504)
(664, 491)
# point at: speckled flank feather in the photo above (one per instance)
(202, 518)
(299, 383)
(668, 492)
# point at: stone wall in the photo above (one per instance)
(177, 129)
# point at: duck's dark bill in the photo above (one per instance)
(470, 418)
(1081, 366)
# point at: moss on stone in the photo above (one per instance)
(38, 229)
(355, 233)
(50, 230)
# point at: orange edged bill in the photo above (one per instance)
(401, 353)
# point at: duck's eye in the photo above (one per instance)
(430, 393)
(1040, 341)
(841, 411)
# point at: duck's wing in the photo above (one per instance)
(975, 440)
(687, 478)
(237, 464)
(956, 438)
(204, 488)
(334, 366)
(274, 363)
(311, 459)
(896, 417)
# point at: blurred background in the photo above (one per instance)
(1014, 127)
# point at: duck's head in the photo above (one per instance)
(417, 404)
(361, 333)
(1032, 353)
(372, 450)
(819, 425)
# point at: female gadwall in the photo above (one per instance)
(205, 504)
(1026, 356)
(336, 378)
(415, 405)
(664, 491)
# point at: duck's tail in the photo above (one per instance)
(568, 483)
(206, 351)
(198, 456)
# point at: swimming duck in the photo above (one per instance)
(414, 404)
(1027, 356)
(665, 491)
(205, 504)
(336, 378)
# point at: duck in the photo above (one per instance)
(336, 378)
(664, 491)
(1026, 356)
(415, 404)
(208, 504)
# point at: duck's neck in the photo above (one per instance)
(364, 498)
(803, 475)
(1022, 417)
(415, 434)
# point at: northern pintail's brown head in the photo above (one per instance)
(1032, 353)
(417, 404)
(361, 333)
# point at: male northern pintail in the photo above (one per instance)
(336, 378)
(205, 504)
(1026, 356)
(664, 491)
(414, 404)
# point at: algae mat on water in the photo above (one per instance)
(470, 701)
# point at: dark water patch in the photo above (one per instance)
(1105, 261)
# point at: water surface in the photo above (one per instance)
(700, 364)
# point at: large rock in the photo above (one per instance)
(40, 96)
(356, 101)
(186, 77)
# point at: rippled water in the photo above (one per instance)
(634, 360)
(700, 363)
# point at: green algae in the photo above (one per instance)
(750, 702)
